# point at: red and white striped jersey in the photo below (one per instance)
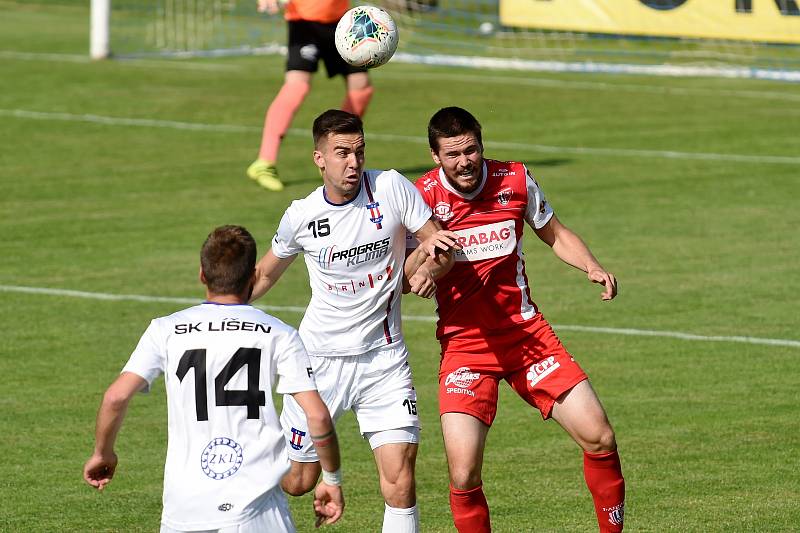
(487, 290)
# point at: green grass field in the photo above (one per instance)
(114, 172)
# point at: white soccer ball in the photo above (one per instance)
(366, 36)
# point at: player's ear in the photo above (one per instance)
(202, 276)
(435, 157)
(319, 160)
(251, 285)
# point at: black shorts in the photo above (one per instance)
(311, 41)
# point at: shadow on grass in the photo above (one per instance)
(533, 163)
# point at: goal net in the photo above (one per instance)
(508, 34)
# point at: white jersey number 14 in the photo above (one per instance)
(252, 397)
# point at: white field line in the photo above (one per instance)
(523, 80)
(294, 309)
(123, 121)
(604, 68)
(523, 147)
(127, 297)
(42, 56)
(494, 63)
(175, 64)
(588, 85)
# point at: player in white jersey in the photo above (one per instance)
(352, 233)
(221, 359)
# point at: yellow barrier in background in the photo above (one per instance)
(750, 20)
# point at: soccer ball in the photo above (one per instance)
(366, 36)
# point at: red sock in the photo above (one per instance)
(357, 100)
(470, 510)
(603, 474)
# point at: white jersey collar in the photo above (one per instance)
(351, 200)
(470, 196)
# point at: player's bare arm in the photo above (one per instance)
(268, 270)
(431, 260)
(328, 497)
(100, 467)
(571, 249)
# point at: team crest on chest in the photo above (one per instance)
(374, 207)
(222, 458)
(504, 196)
(375, 215)
(443, 211)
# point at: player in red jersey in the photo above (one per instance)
(490, 329)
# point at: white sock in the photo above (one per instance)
(397, 520)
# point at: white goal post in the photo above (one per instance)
(100, 34)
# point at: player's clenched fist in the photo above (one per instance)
(99, 470)
(422, 283)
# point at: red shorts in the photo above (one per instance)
(531, 359)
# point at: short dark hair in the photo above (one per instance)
(452, 122)
(336, 121)
(228, 259)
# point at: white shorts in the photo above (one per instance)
(272, 515)
(376, 385)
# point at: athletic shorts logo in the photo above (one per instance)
(309, 52)
(538, 371)
(443, 211)
(616, 514)
(461, 377)
(222, 458)
(297, 439)
(504, 196)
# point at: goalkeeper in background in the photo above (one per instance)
(311, 25)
